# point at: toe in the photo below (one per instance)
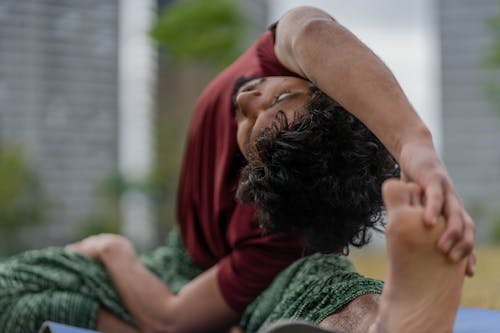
(415, 194)
(396, 193)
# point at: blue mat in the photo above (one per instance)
(472, 320)
(51, 327)
(469, 320)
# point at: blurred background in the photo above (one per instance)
(96, 96)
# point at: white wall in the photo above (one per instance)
(403, 33)
(137, 66)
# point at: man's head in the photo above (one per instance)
(312, 167)
(258, 101)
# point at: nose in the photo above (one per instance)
(249, 102)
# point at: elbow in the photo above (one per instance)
(160, 322)
(314, 30)
(304, 14)
(157, 326)
(305, 21)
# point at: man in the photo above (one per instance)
(230, 261)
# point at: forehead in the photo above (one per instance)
(241, 81)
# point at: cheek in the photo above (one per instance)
(263, 121)
(245, 126)
(241, 135)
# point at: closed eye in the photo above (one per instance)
(281, 97)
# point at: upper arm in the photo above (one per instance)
(290, 27)
(214, 300)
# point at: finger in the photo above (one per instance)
(72, 247)
(403, 176)
(434, 200)
(465, 246)
(415, 194)
(471, 265)
(455, 227)
(395, 193)
(236, 329)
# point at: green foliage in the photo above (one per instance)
(492, 62)
(106, 218)
(496, 229)
(194, 30)
(209, 34)
(492, 90)
(170, 134)
(493, 57)
(22, 201)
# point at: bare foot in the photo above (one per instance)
(423, 288)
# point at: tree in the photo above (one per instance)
(195, 37)
(22, 201)
(492, 62)
(194, 30)
(492, 89)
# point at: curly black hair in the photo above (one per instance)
(320, 174)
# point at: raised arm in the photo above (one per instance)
(312, 44)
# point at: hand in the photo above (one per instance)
(95, 246)
(421, 164)
(235, 329)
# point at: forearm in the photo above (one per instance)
(198, 307)
(333, 58)
(145, 296)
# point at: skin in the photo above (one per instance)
(423, 288)
(359, 81)
(256, 110)
(151, 303)
(348, 71)
(421, 295)
(356, 317)
(259, 101)
(108, 322)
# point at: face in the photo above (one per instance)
(259, 100)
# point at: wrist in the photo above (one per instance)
(417, 138)
(115, 248)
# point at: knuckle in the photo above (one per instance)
(470, 226)
(469, 223)
(467, 247)
(454, 231)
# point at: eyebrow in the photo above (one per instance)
(288, 97)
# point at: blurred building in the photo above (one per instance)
(77, 81)
(77, 93)
(471, 127)
(58, 99)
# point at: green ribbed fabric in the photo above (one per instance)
(54, 284)
(57, 285)
(310, 289)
